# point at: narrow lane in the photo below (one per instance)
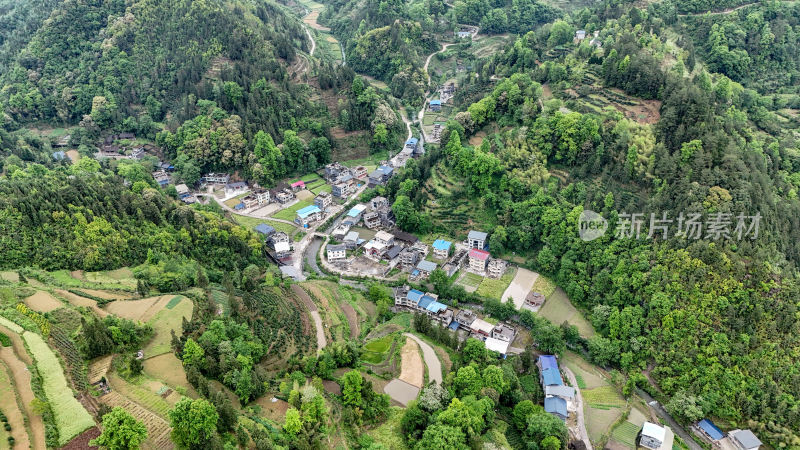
(431, 360)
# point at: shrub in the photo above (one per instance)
(5, 341)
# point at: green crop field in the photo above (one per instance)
(605, 396)
(252, 223)
(558, 309)
(168, 319)
(291, 212)
(70, 416)
(375, 350)
(626, 434)
(494, 287)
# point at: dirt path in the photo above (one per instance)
(312, 309)
(313, 42)
(433, 363)
(581, 431)
(411, 369)
(721, 12)
(352, 319)
(520, 286)
(22, 384)
(12, 410)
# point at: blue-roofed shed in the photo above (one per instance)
(412, 141)
(59, 155)
(556, 406)
(425, 302)
(426, 266)
(548, 362)
(307, 211)
(711, 430)
(265, 229)
(551, 377)
(414, 295)
(441, 244)
(453, 325)
(239, 207)
(436, 307)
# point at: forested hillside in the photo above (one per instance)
(116, 59)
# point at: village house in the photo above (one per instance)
(356, 212)
(341, 190)
(333, 170)
(412, 144)
(262, 195)
(137, 153)
(351, 240)
(216, 178)
(744, 440)
(549, 373)
(393, 253)
(409, 258)
(341, 231)
(265, 230)
(58, 156)
(282, 194)
(652, 436)
(556, 406)
(476, 239)
(380, 175)
(480, 327)
(359, 172)
(161, 177)
(323, 200)
(477, 261)
(579, 36)
(421, 248)
(307, 215)
(463, 34)
(436, 134)
(281, 244)
(503, 332)
(336, 252)
(384, 238)
(436, 105)
(183, 191)
(378, 203)
(565, 392)
(496, 268)
(375, 250)
(250, 201)
(441, 248)
(127, 136)
(233, 188)
(708, 431)
(406, 239)
(424, 268)
(534, 300)
(465, 318)
(497, 345)
(298, 186)
(405, 297)
(372, 220)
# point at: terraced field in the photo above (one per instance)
(158, 429)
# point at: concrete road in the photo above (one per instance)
(581, 431)
(431, 360)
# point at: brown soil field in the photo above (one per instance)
(141, 310)
(22, 383)
(332, 387)
(168, 368)
(273, 411)
(109, 295)
(81, 441)
(9, 276)
(77, 300)
(300, 292)
(43, 302)
(311, 20)
(321, 294)
(411, 369)
(73, 155)
(98, 368)
(17, 345)
(78, 275)
(10, 407)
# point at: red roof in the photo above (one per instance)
(299, 183)
(478, 254)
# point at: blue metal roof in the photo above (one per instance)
(552, 377)
(59, 155)
(426, 266)
(354, 212)
(264, 229)
(453, 325)
(556, 405)
(441, 244)
(386, 169)
(307, 211)
(425, 302)
(239, 206)
(412, 141)
(414, 295)
(436, 102)
(436, 307)
(548, 362)
(711, 429)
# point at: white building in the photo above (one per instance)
(336, 252)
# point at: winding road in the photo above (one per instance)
(431, 360)
(310, 38)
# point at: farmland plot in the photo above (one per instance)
(70, 416)
(43, 302)
(158, 429)
(166, 320)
